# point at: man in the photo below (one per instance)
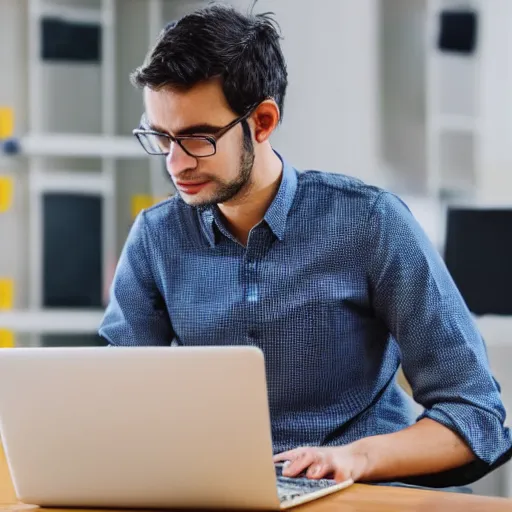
(332, 278)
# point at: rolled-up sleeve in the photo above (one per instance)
(443, 354)
(136, 313)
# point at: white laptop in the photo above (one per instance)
(143, 428)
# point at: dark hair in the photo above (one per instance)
(219, 42)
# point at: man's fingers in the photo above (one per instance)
(320, 467)
(318, 470)
(290, 455)
(297, 466)
(282, 457)
(300, 463)
(313, 462)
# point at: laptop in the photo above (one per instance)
(135, 427)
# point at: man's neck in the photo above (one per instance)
(244, 213)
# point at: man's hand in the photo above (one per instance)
(341, 463)
(427, 447)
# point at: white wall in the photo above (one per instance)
(402, 67)
(496, 82)
(331, 112)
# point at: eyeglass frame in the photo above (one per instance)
(212, 139)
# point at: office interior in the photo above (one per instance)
(410, 95)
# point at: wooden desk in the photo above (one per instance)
(7, 494)
(358, 498)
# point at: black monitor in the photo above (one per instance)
(478, 254)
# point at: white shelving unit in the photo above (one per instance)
(71, 13)
(57, 321)
(453, 110)
(446, 118)
(47, 150)
(39, 144)
(86, 146)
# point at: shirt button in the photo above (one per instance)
(252, 334)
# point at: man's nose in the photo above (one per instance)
(178, 161)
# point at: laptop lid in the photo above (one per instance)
(138, 427)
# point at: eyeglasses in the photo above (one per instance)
(197, 146)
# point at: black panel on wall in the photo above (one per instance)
(458, 31)
(478, 254)
(70, 41)
(72, 260)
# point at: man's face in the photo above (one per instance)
(202, 110)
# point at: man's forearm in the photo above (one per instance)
(424, 448)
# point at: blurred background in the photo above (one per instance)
(411, 95)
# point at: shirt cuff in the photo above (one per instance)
(484, 433)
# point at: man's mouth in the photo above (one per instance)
(190, 187)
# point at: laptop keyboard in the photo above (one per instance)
(291, 488)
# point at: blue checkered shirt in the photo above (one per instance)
(338, 285)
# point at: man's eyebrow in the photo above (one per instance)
(206, 129)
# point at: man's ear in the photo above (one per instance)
(266, 118)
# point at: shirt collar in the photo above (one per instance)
(275, 216)
(277, 213)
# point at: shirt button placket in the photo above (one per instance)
(251, 295)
